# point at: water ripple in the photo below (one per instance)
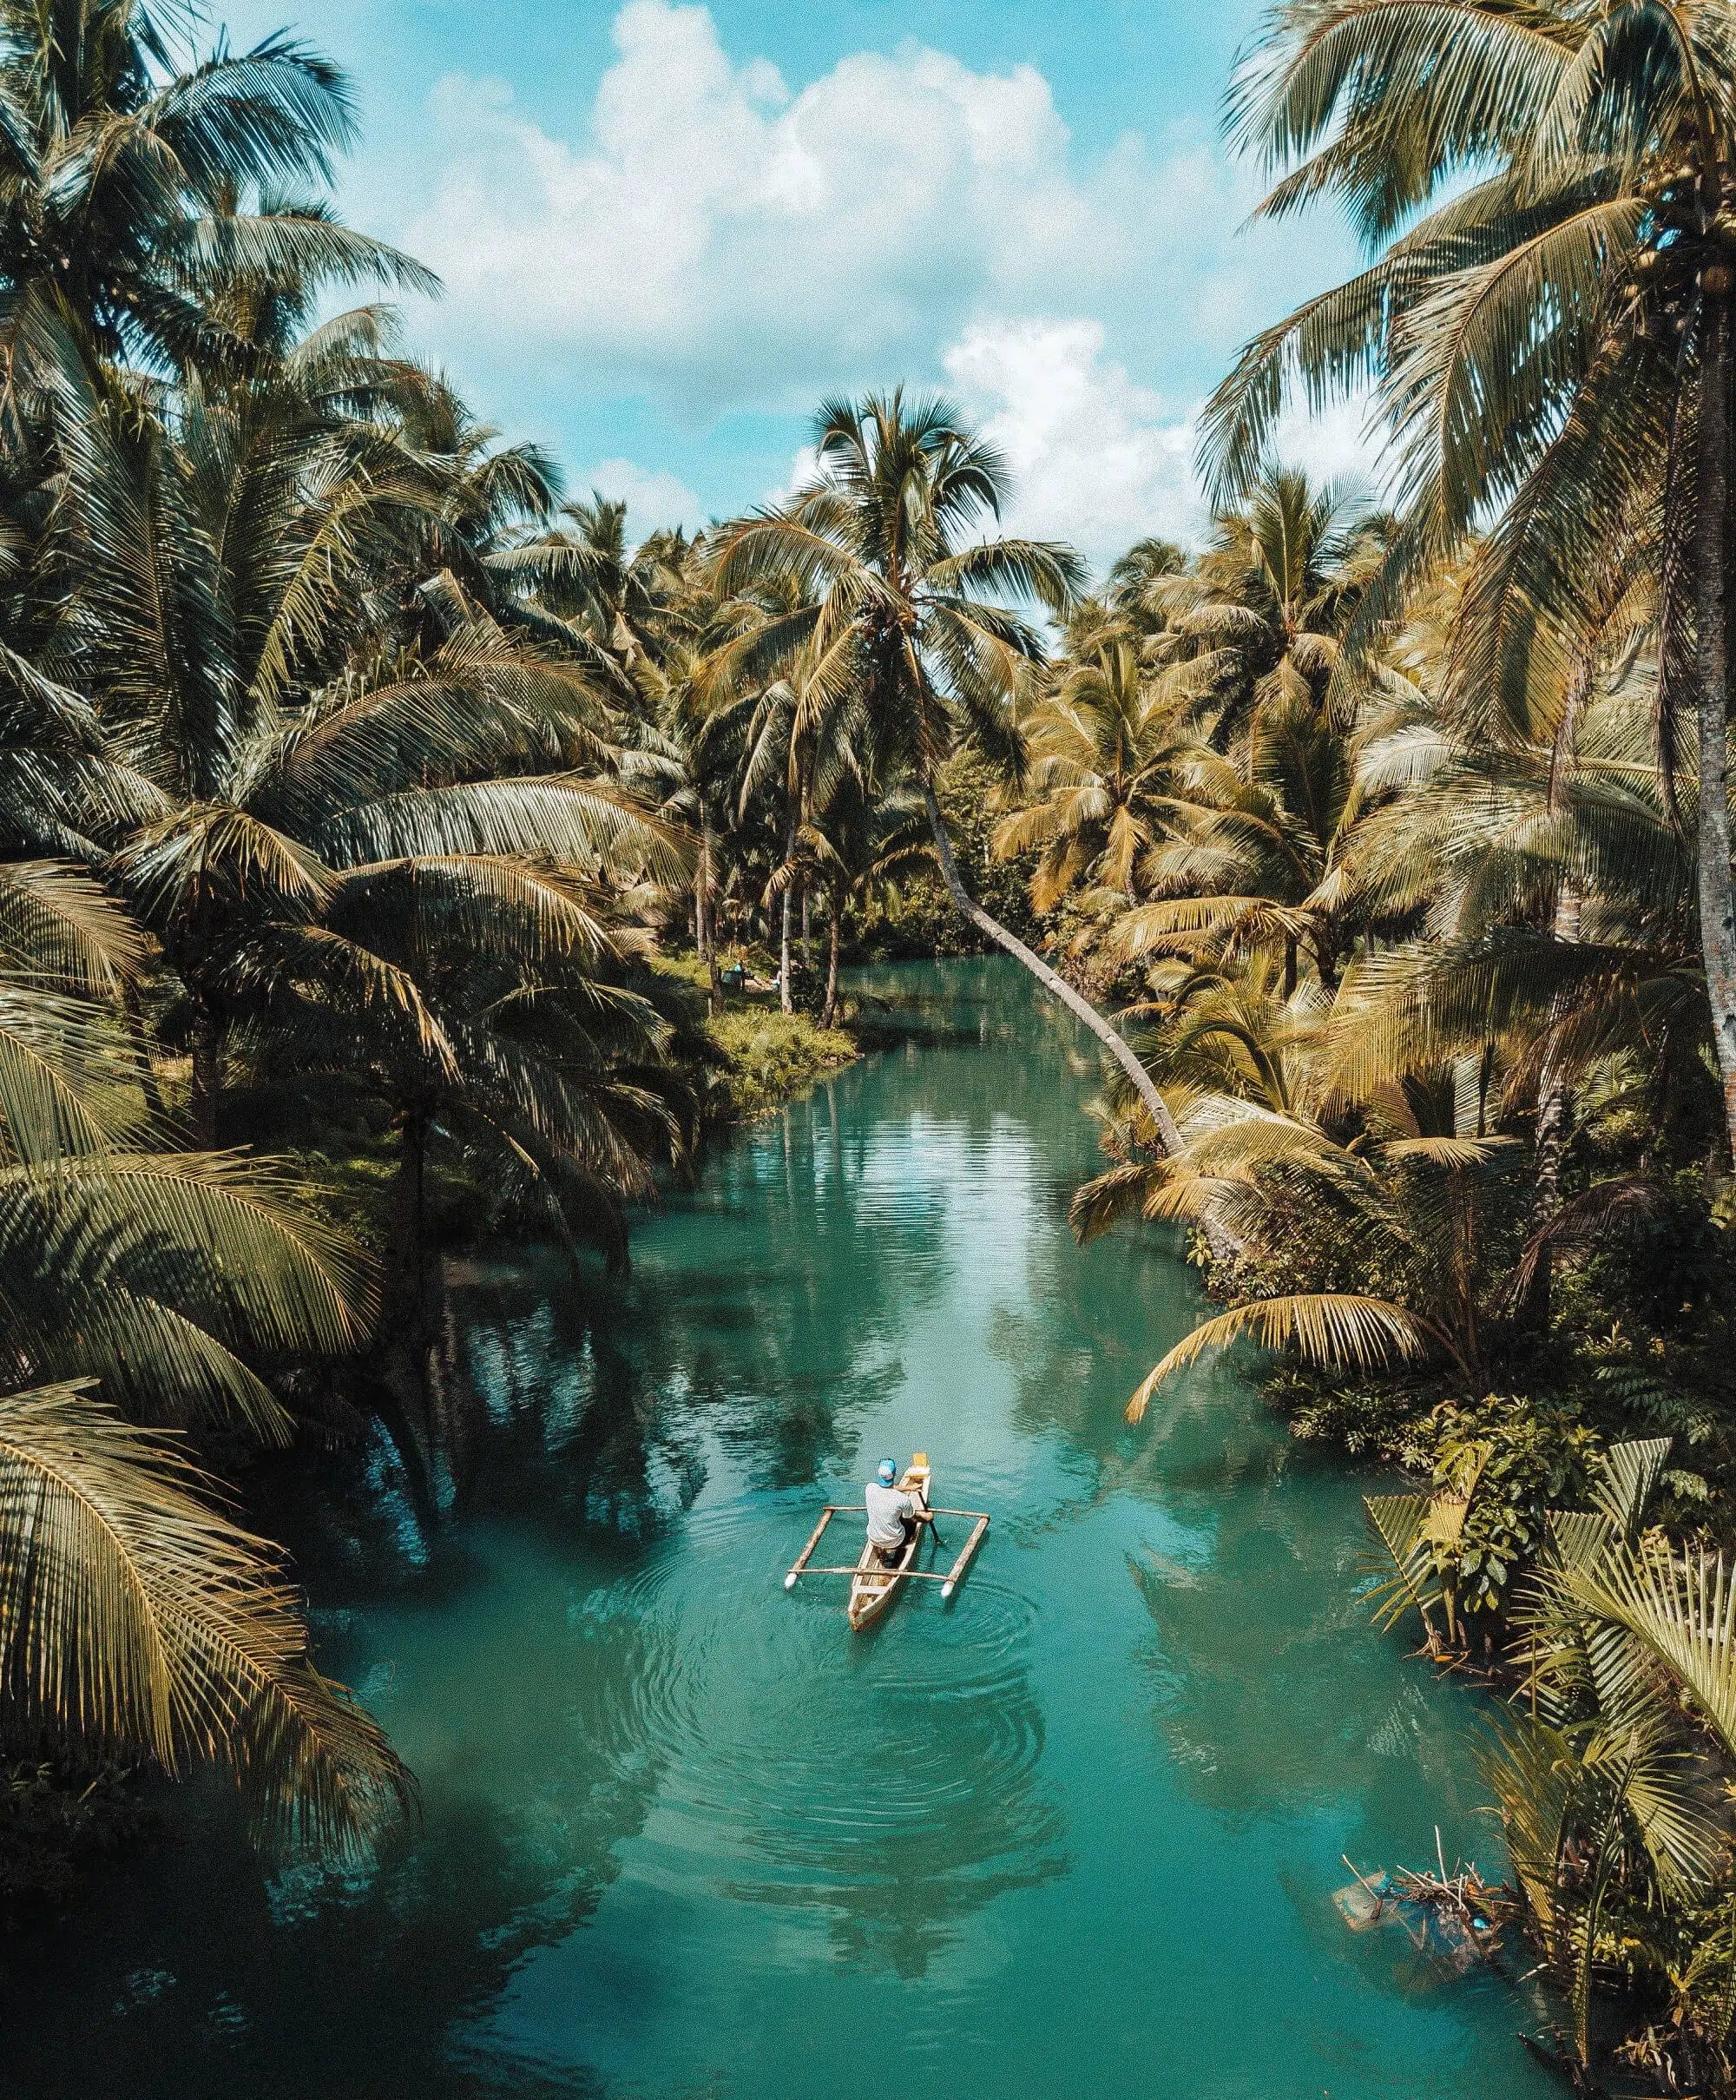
(775, 1765)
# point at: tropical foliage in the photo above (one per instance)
(1402, 842)
(314, 739)
(355, 779)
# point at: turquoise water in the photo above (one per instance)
(1074, 1834)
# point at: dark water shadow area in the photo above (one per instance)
(683, 1834)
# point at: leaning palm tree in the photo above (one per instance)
(1549, 342)
(890, 613)
(1409, 1199)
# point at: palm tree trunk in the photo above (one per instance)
(401, 1343)
(208, 1077)
(703, 934)
(1111, 1038)
(784, 999)
(401, 1293)
(1554, 1106)
(142, 1048)
(829, 1012)
(1712, 678)
(807, 934)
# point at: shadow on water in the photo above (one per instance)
(683, 1833)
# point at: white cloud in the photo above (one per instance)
(653, 499)
(717, 238)
(1334, 445)
(1099, 459)
(1096, 459)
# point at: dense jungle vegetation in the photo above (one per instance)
(391, 849)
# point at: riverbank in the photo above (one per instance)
(760, 1057)
(771, 1057)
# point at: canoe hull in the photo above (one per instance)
(875, 1584)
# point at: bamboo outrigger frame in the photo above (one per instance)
(873, 1590)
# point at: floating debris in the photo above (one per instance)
(1454, 1919)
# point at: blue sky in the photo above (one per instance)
(666, 231)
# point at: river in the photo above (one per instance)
(684, 1837)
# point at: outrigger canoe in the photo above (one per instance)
(877, 1578)
(874, 1581)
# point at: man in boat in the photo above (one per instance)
(893, 1513)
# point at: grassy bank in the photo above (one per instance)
(770, 1056)
(762, 1056)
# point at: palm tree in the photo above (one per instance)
(1099, 785)
(495, 1017)
(1409, 1199)
(137, 1616)
(856, 844)
(1549, 343)
(1137, 576)
(1253, 625)
(583, 570)
(1259, 852)
(889, 610)
(132, 1613)
(119, 177)
(211, 617)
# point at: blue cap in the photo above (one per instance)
(888, 1473)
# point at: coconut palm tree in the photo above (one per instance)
(1549, 340)
(857, 844)
(211, 619)
(1259, 852)
(889, 607)
(1105, 745)
(137, 1616)
(1409, 1198)
(495, 1019)
(621, 598)
(133, 1614)
(119, 176)
(1253, 626)
(1137, 576)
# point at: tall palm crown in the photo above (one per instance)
(1104, 747)
(119, 175)
(890, 590)
(1259, 851)
(1255, 624)
(1549, 340)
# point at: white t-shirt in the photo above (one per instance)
(887, 1509)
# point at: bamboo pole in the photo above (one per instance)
(970, 1545)
(825, 1517)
